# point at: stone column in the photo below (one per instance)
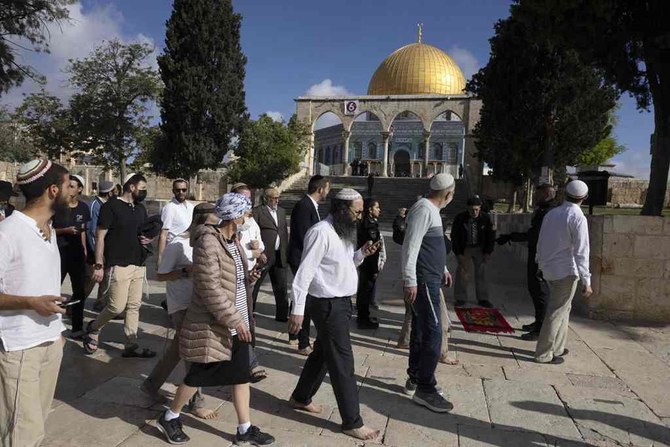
(426, 148)
(345, 136)
(385, 162)
(310, 155)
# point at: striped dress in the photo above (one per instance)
(241, 288)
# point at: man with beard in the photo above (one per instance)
(105, 193)
(31, 345)
(120, 245)
(6, 192)
(325, 282)
(545, 200)
(176, 215)
(424, 270)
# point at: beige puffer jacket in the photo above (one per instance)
(205, 334)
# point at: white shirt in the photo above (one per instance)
(328, 266)
(316, 205)
(178, 254)
(177, 217)
(273, 213)
(253, 233)
(563, 245)
(29, 266)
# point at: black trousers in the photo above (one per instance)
(73, 263)
(537, 287)
(277, 273)
(365, 294)
(332, 354)
(303, 335)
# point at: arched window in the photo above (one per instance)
(372, 151)
(326, 157)
(437, 151)
(452, 155)
(421, 151)
(358, 150)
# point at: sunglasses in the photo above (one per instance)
(180, 190)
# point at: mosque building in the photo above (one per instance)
(418, 142)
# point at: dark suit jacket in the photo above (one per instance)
(270, 231)
(459, 233)
(303, 216)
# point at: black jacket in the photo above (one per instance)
(533, 233)
(459, 233)
(303, 216)
(270, 231)
(368, 230)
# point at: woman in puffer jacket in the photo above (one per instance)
(217, 328)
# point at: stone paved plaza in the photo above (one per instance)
(611, 391)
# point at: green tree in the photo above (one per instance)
(607, 148)
(269, 151)
(202, 67)
(47, 123)
(115, 87)
(24, 21)
(14, 144)
(630, 42)
(541, 105)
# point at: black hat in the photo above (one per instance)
(474, 201)
(6, 190)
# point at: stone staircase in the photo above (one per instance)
(392, 193)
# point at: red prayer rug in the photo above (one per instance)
(482, 319)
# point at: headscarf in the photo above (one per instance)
(232, 206)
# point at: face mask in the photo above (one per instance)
(140, 195)
(244, 226)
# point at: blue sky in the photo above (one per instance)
(299, 46)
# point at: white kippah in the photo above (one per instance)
(441, 182)
(577, 189)
(128, 177)
(348, 194)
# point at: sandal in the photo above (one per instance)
(90, 343)
(145, 353)
(257, 375)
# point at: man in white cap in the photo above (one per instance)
(105, 192)
(325, 282)
(31, 346)
(563, 258)
(424, 271)
(176, 215)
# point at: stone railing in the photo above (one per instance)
(630, 265)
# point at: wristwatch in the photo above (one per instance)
(184, 272)
(97, 267)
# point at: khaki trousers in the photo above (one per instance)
(125, 293)
(27, 385)
(473, 256)
(444, 318)
(554, 332)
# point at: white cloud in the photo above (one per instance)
(465, 59)
(634, 162)
(72, 39)
(276, 116)
(327, 89)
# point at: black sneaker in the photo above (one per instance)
(530, 336)
(410, 387)
(433, 401)
(532, 327)
(368, 324)
(485, 303)
(172, 430)
(254, 436)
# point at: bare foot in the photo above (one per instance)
(205, 413)
(447, 361)
(365, 433)
(310, 408)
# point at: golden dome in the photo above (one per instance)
(417, 68)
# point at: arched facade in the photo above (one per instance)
(427, 108)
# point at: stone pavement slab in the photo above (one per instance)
(491, 437)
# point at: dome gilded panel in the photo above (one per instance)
(417, 69)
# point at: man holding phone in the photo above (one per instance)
(31, 345)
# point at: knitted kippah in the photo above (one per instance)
(348, 194)
(31, 171)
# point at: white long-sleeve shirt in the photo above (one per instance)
(563, 245)
(328, 266)
(253, 233)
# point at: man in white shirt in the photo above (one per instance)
(176, 215)
(563, 258)
(325, 282)
(31, 345)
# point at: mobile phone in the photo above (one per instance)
(261, 269)
(69, 303)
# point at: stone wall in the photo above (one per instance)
(630, 192)
(630, 265)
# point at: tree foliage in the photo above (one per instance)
(46, 122)
(269, 151)
(15, 146)
(115, 87)
(629, 40)
(607, 148)
(203, 106)
(24, 21)
(541, 105)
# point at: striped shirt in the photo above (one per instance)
(240, 287)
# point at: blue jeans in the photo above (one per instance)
(426, 337)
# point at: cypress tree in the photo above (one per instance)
(203, 106)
